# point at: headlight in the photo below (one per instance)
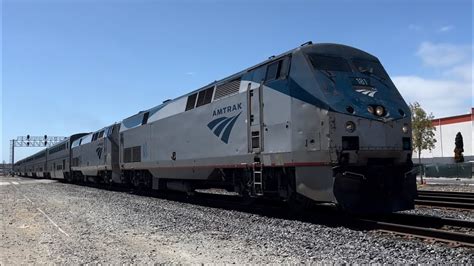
(370, 109)
(350, 109)
(350, 126)
(379, 111)
(405, 128)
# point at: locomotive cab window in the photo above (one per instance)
(370, 67)
(329, 63)
(205, 96)
(145, 118)
(277, 70)
(191, 101)
(110, 131)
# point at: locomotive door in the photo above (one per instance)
(103, 158)
(114, 152)
(255, 118)
(54, 170)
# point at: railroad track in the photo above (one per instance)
(461, 200)
(452, 231)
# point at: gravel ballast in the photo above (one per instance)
(443, 213)
(448, 188)
(102, 226)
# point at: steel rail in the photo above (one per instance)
(427, 227)
(429, 233)
(447, 204)
(446, 193)
(447, 199)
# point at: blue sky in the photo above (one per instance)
(75, 66)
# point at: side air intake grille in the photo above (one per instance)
(75, 161)
(226, 89)
(127, 155)
(137, 154)
(132, 154)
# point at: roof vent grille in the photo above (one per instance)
(226, 89)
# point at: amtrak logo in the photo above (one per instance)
(227, 109)
(222, 126)
(99, 151)
(368, 91)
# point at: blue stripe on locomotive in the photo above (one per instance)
(312, 86)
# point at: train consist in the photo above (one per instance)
(322, 123)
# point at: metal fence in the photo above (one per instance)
(453, 170)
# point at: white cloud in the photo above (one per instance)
(446, 28)
(190, 73)
(441, 97)
(465, 72)
(443, 54)
(452, 92)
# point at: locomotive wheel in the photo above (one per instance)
(106, 181)
(68, 178)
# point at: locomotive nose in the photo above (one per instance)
(373, 159)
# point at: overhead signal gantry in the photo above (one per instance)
(32, 141)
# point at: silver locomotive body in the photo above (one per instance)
(94, 157)
(321, 123)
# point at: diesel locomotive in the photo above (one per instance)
(321, 123)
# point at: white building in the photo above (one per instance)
(445, 134)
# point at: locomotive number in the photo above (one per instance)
(362, 81)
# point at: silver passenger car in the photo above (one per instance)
(34, 166)
(59, 157)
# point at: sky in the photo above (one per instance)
(79, 65)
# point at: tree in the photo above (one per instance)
(422, 130)
(459, 148)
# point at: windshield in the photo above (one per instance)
(329, 63)
(370, 67)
